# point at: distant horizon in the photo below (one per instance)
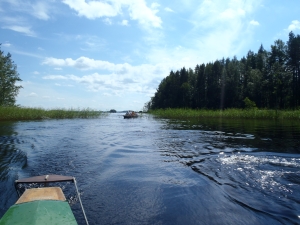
(114, 54)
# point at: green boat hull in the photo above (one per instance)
(44, 212)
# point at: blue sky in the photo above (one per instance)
(112, 54)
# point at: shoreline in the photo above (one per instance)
(228, 113)
(20, 113)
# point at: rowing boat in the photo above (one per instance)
(130, 114)
(46, 205)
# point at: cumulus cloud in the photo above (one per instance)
(146, 16)
(94, 9)
(83, 63)
(137, 9)
(122, 78)
(295, 25)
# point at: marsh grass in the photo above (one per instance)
(20, 113)
(228, 113)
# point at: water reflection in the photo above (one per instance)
(12, 160)
(264, 135)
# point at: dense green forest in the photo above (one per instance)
(267, 79)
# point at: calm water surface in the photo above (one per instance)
(157, 171)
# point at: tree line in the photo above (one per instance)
(267, 79)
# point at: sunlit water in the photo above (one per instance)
(156, 171)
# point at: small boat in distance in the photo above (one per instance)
(45, 205)
(130, 114)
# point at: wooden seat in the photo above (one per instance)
(47, 193)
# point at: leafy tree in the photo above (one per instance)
(8, 78)
(249, 104)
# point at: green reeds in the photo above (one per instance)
(20, 113)
(228, 113)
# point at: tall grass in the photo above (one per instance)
(228, 113)
(20, 113)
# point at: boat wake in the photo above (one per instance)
(270, 180)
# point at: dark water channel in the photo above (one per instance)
(157, 171)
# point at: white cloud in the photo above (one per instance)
(137, 9)
(94, 9)
(32, 94)
(219, 25)
(124, 22)
(6, 44)
(86, 42)
(254, 22)
(120, 77)
(56, 77)
(38, 9)
(36, 73)
(85, 63)
(107, 21)
(232, 13)
(21, 29)
(168, 9)
(220, 14)
(27, 54)
(109, 83)
(146, 16)
(18, 24)
(295, 25)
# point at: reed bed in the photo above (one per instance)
(228, 113)
(20, 113)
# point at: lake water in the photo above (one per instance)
(158, 171)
